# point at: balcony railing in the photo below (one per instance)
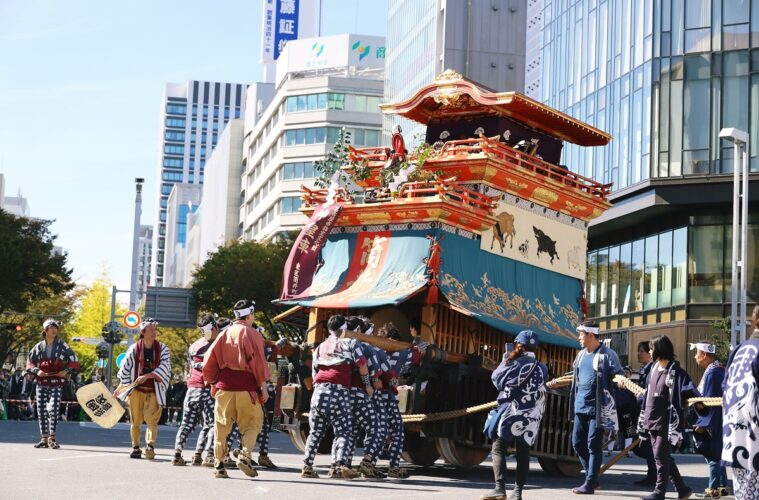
(376, 158)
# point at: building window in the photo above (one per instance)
(173, 149)
(176, 109)
(172, 176)
(176, 122)
(173, 135)
(166, 188)
(313, 135)
(172, 162)
(312, 102)
(336, 101)
(298, 170)
(705, 261)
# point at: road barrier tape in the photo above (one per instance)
(76, 403)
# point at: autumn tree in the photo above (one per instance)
(92, 312)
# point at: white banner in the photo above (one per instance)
(267, 32)
(529, 233)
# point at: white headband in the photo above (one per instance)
(588, 329)
(703, 346)
(344, 326)
(241, 313)
(207, 328)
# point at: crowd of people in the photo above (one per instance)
(229, 393)
(722, 412)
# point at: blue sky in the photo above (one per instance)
(80, 93)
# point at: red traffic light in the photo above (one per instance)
(19, 328)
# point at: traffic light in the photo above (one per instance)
(111, 333)
(102, 350)
(14, 327)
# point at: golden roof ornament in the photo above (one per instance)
(448, 75)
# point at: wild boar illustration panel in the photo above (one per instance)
(528, 232)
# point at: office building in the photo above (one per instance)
(193, 114)
(16, 205)
(483, 41)
(322, 85)
(184, 199)
(216, 221)
(144, 256)
(663, 77)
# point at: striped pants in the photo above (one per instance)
(330, 405)
(198, 402)
(48, 408)
(366, 416)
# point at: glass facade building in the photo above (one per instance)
(484, 41)
(663, 77)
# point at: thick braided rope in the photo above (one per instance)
(448, 415)
(705, 401)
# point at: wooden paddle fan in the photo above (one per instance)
(102, 406)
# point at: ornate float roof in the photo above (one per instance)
(452, 95)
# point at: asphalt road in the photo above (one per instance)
(94, 462)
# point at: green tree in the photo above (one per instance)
(28, 267)
(249, 270)
(34, 281)
(178, 340)
(721, 339)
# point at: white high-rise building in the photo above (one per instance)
(216, 222)
(322, 85)
(184, 200)
(17, 205)
(144, 256)
(193, 114)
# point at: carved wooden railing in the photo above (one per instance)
(449, 189)
(376, 158)
(493, 146)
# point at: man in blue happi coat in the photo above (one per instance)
(740, 415)
(521, 382)
(591, 404)
(707, 430)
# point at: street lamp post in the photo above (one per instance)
(739, 139)
(135, 243)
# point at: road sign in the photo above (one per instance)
(120, 359)
(132, 319)
(102, 363)
(171, 307)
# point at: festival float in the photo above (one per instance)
(476, 235)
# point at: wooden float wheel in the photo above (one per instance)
(560, 468)
(419, 450)
(459, 454)
(299, 438)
